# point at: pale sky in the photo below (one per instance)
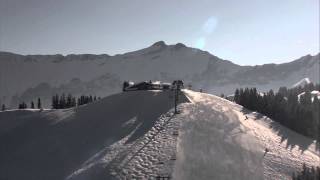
(245, 32)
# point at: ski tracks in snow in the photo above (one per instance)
(210, 139)
(214, 145)
(280, 157)
(150, 157)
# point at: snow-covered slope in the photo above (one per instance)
(24, 78)
(135, 135)
(157, 62)
(302, 82)
(216, 141)
(123, 135)
(313, 95)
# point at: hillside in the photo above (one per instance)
(23, 78)
(222, 143)
(115, 138)
(55, 144)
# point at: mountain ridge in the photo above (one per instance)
(160, 44)
(21, 74)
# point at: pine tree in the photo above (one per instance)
(78, 102)
(306, 99)
(316, 118)
(73, 102)
(55, 101)
(237, 96)
(125, 85)
(284, 107)
(283, 91)
(32, 105)
(69, 101)
(241, 96)
(22, 105)
(62, 101)
(39, 103)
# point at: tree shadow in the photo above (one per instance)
(41, 147)
(294, 139)
(290, 137)
(246, 111)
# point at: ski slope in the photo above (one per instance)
(136, 135)
(217, 141)
(126, 135)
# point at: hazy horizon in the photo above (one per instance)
(246, 33)
(290, 60)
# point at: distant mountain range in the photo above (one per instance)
(24, 78)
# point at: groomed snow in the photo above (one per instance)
(217, 141)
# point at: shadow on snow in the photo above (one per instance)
(47, 146)
(291, 137)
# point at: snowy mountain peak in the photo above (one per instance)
(160, 44)
(20, 75)
(179, 46)
(302, 82)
